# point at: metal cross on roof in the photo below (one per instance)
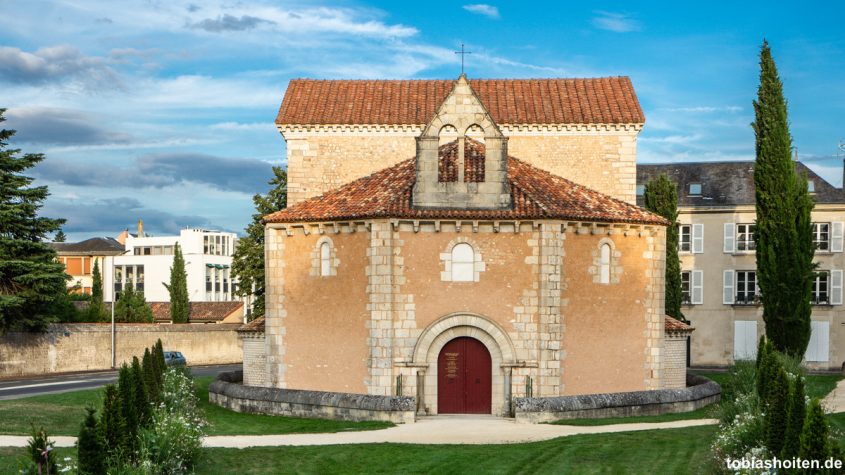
(462, 53)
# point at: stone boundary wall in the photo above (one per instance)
(227, 391)
(71, 347)
(699, 392)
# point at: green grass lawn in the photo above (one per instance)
(62, 414)
(647, 452)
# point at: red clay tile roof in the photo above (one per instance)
(609, 100)
(447, 166)
(256, 326)
(674, 325)
(199, 311)
(537, 194)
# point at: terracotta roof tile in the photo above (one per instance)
(536, 194)
(674, 325)
(609, 100)
(199, 311)
(256, 325)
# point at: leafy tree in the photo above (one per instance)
(60, 236)
(783, 234)
(776, 411)
(248, 260)
(131, 307)
(178, 288)
(89, 448)
(96, 308)
(31, 280)
(141, 401)
(814, 436)
(112, 425)
(661, 197)
(796, 414)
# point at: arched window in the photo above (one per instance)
(604, 267)
(463, 263)
(325, 259)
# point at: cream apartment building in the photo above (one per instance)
(716, 245)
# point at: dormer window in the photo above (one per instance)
(811, 186)
(695, 189)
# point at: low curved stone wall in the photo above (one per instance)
(699, 392)
(227, 391)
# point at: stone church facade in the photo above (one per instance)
(462, 242)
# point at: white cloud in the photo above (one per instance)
(616, 22)
(483, 9)
(55, 64)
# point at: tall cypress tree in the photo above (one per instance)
(784, 228)
(776, 411)
(178, 288)
(129, 409)
(32, 281)
(248, 260)
(661, 197)
(96, 308)
(148, 368)
(89, 446)
(795, 420)
(141, 401)
(112, 426)
(815, 434)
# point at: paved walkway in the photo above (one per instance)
(835, 401)
(427, 430)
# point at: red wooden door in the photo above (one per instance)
(464, 377)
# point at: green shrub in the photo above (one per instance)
(814, 436)
(39, 450)
(796, 413)
(776, 411)
(740, 383)
(89, 447)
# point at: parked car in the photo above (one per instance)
(174, 358)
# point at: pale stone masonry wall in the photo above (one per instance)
(274, 300)
(655, 305)
(380, 289)
(675, 361)
(322, 159)
(255, 359)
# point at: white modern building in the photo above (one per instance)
(147, 261)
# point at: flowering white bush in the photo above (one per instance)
(173, 441)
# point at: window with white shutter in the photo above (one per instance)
(697, 287)
(697, 238)
(728, 287)
(745, 340)
(836, 236)
(819, 346)
(836, 287)
(730, 238)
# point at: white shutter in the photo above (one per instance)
(836, 237)
(697, 284)
(730, 238)
(745, 340)
(697, 238)
(836, 287)
(819, 346)
(728, 287)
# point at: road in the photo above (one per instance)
(34, 386)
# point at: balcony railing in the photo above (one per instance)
(820, 300)
(747, 299)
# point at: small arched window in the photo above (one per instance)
(463, 263)
(604, 264)
(325, 260)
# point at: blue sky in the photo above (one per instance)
(163, 109)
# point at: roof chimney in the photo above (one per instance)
(140, 228)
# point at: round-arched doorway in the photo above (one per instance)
(464, 377)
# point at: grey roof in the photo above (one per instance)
(101, 246)
(725, 183)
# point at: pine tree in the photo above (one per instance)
(795, 420)
(141, 402)
(784, 229)
(90, 447)
(96, 308)
(131, 307)
(112, 425)
(661, 197)
(148, 368)
(776, 411)
(814, 435)
(178, 288)
(248, 260)
(31, 279)
(128, 406)
(60, 236)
